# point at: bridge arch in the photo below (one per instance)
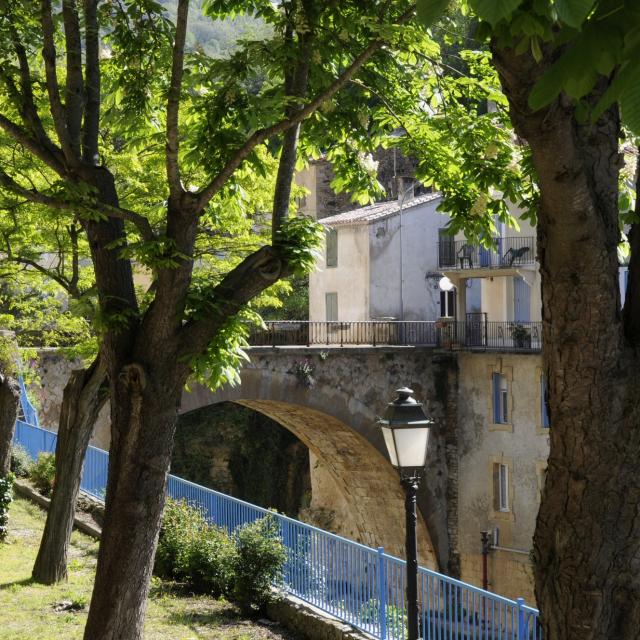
(340, 431)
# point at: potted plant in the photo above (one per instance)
(521, 336)
(446, 331)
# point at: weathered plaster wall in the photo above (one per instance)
(349, 279)
(420, 301)
(523, 445)
(53, 370)
(336, 419)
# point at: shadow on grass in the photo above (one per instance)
(25, 582)
(195, 619)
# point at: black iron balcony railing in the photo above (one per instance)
(505, 253)
(471, 334)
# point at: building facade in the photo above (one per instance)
(387, 261)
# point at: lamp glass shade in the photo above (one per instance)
(405, 429)
(387, 433)
(411, 447)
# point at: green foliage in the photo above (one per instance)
(20, 461)
(207, 560)
(298, 241)
(6, 497)
(42, 473)
(259, 563)
(9, 356)
(193, 552)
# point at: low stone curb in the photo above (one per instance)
(28, 492)
(309, 622)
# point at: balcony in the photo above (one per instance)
(473, 334)
(507, 254)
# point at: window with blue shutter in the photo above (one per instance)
(544, 408)
(500, 396)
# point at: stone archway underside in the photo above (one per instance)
(365, 478)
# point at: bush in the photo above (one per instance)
(192, 551)
(260, 559)
(20, 461)
(43, 472)
(6, 496)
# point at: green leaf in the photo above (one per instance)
(574, 12)
(494, 10)
(430, 10)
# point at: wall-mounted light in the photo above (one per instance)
(445, 284)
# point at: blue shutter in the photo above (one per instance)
(543, 402)
(497, 414)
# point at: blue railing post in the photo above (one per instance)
(382, 595)
(522, 625)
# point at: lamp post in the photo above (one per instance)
(405, 429)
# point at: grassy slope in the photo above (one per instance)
(27, 609)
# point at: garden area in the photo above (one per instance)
(32, 611)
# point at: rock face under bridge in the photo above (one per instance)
(330, 399)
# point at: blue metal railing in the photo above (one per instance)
(362, 586)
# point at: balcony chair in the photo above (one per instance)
(466, 253)
(514, 254)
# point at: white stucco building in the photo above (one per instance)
(379, 263)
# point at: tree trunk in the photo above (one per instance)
(84, 396)
(587, 537)
(9, 399)
(144, 413)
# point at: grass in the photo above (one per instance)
(28, 610)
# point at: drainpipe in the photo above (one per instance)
(486, 546)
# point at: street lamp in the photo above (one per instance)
(405, 429)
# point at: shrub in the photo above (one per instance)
(6, 496)
(192, 551)
(43, 472)
(260, 559)
(212, 562)
(20, 461)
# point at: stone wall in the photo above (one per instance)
(523, 445)
(52, 369)
(244, 454)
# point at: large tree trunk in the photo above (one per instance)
(84, 396)
(144, 413)
(587, 538)
(9, 399)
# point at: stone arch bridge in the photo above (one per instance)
(330, 398)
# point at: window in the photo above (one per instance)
(446, 248)
(331, 301)
(448, 304)
(332, 247)
(544, 407)
(500, 394)
(501, 487)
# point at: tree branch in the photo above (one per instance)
(74, 90)
(53, 89)
(173, 101)
(92, 83)
(38, 197)
(251, 277)
(296, 89)
(51, 157)
(262, 135)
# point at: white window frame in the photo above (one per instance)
(448, 309)
(503, 488)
